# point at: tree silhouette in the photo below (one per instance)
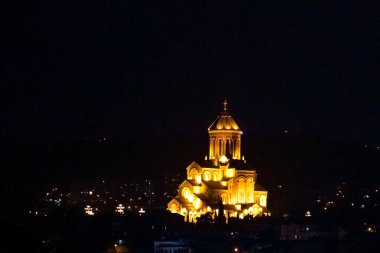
(220, 218)
(205, 219)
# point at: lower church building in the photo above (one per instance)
(222, 182)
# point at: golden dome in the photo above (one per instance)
(224, 121)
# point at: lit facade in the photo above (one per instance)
(224, 177)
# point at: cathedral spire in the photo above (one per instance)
(225, 137)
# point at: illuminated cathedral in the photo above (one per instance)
(222, 182)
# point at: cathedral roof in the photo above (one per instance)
(193, 182)
(215, 185)
(240, 165)
(237, 164)
(207, 164)
(224, 121)
(204, 199)
(184, 202)
(259, 187)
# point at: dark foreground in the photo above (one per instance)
(71, 231)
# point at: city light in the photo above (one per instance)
(120, 209)
(88, 210)
(141, 211)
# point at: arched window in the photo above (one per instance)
(215, 176)
(241, 197)
(174, 208)
(263, 200)
(186, 192)
(249, 197)
(228, 146)
(206, 175)
(241, 191)
(193, 173)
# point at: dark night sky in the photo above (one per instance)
(75, 69)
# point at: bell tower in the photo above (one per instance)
(225, 137)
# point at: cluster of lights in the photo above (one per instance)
(340, 194)
(120, 209)
(141, 211)
(88, 210)
(371, 229)
(38, 213)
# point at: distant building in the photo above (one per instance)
(224, 181)
(171, 247)
(293, 231)
(290, 232)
